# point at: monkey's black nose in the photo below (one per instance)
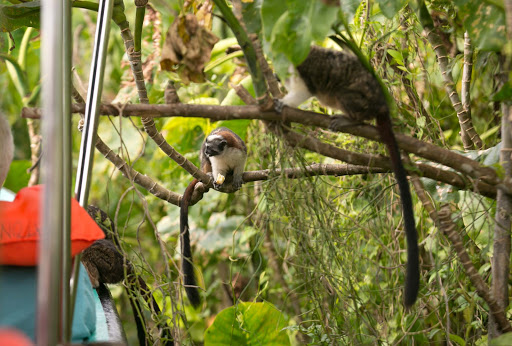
(210, 150)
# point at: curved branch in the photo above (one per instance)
(143, 180)
(134, 57)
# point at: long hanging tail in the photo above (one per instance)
(186, 253)
(412, 278)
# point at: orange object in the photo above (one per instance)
(14, 337)
(20, 224)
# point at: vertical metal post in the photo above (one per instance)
(92, 106)
(93, 101)
(50, 278)
(67, 317)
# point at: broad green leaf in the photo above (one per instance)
(237, 126)
(251, 11)
(502, 340)
(504, 94)
(220, 235)
(271, 11)
(328, 15)
(17, 16)
(290, 29)
(292, 36)
(485, 24)
(18, 177)
(232, 98)
(248, 324)
(390, 8)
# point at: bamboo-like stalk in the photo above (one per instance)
(466, 75)
(468, 133)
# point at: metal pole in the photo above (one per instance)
(93, 101)
(67, 317)
(92, 105)
(50, 254)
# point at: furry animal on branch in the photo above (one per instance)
(223, 154)
(105, 264)
(340, 81)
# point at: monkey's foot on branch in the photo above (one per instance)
(278, 105)
(341, 121)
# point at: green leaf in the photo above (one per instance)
(17, 16)
(248, 324)
(292, 36)
(291, 26)
(484, 23)
(251, 11)
(397, 56)
(271, 11)
(504, 94)
(232, 98)
(455, 338)
(390, 8)
(502, 340)
(18, 177)
(328, 16)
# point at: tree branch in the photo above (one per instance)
(382, 162)
(426, 150)
(134, 57)
(143, 180)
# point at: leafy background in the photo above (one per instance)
(326, 252)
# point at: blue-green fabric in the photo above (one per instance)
(18, 297)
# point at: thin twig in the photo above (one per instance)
(450, 230)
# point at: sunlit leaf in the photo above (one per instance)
(485, 24)
(248, 324)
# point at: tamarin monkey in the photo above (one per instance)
(223, 153)
(339, 80)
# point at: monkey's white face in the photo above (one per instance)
(214, 145)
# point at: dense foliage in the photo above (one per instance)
(325, 253)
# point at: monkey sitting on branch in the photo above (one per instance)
(223, 155)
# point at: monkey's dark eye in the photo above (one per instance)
(222, 145)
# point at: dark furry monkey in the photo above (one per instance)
(222, 154)
(339, 80)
